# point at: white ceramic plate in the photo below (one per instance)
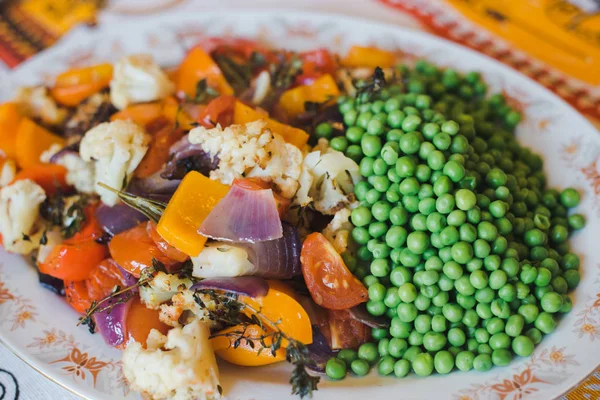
(40, 327)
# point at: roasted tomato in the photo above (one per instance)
(346, 332)
(329, 281)
(77, 296)
(134, 250)
(218, 111)
(103, 279)
(141, 320)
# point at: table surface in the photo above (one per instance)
(18, 381)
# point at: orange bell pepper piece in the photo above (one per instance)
(245, 354)
(281, 305)
(321, 90)
(141, 114)
(174, 113)
(74, 86)
(372, 57)
(49, 176)
(32, 141)
(76, 293)
(10, 118)
(164, 134)
(140, 321)
(193, 200)
(134, 250)
(242, 114)
(196, 66)
(73, 260)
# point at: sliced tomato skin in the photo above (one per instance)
(330, 283)
(218, 112)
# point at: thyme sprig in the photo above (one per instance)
(116, 297)
(150, 208)
(238, 75)
(303, 384)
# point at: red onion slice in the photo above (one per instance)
(251, 286)
(319, 351)
(279, 258)
(118, 218)
(244, 215)
(111, 323)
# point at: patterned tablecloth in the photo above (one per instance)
(17, 380)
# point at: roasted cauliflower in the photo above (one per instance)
(116, 148)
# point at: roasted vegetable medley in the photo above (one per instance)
(257, 205)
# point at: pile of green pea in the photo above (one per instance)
(460, 243)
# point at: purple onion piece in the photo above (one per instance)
(361, 314)
(153, 184)
(319, 351)
(70, 149)
(186, 157)
(111, 323)
(276, 259)
(244, 215)
(118, 218)
(251, 286)
(129, 279)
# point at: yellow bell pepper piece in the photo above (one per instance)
(10, 119)
(368, 57)
(321, 90)
(193, 200)
(245, 354)
(280, 304)
(243, 114)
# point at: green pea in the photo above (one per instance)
(464, 360)
(569, 198)
(347, 355)
(401, 368)
(443, 362)
(501, 357)
(335, 368)
(523, 346)
(514, 325)
(545, 322)
(360, 367)
(423, 364)
(482, 363)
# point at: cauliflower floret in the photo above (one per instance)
(327, 180)
(162, 288)
(251, 150)
(49, 152)
(180, 366)
(138, 79)
(239, 148)
(79, 173)
(282, 168)
(7, 172)
(219, 259)
(338, 230)
(20, 216)
(184, 308)
(36, 102)
(116, 148)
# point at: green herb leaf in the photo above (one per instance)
(204, 93)
(237, 75)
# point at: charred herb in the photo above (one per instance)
(120, 295)
(74, 217)
(238, 75)
(150, 208)
(204, 93)
(284, 73)
(366, 89)
(303, 384)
